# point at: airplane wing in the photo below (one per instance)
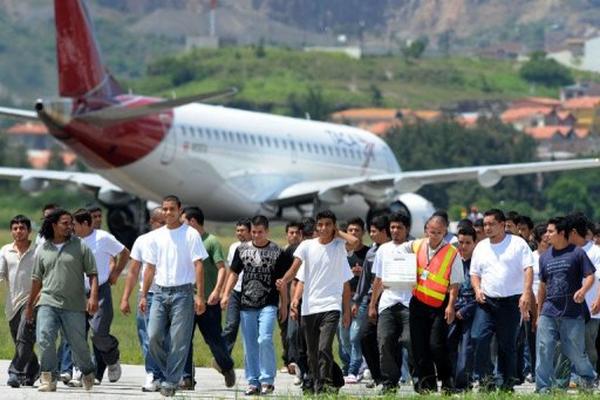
(34, 177)
(18, 113)
(380, 188)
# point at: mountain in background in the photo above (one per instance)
(134, 32)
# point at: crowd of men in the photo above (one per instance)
(497, 304)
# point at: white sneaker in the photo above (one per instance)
(65, 377)
(151, 385)
(114, 372)
(367, 374)
(350, 379)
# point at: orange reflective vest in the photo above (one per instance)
(433, 278)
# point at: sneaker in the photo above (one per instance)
(87, 381)
(265, 389)
(13, 381)
(291, 368)
(114, 372)
(167, 391)
(65, 377)
(75, 383)
(367, 374)
(283, 370)
(150, 385)
(298, 377)
(186, 384)
(350, 379)
(97, 381)
(252, 391)
(229, 378)
(530, 378)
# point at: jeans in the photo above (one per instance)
(525, 351)
(172, 316)
(24, 365)
(461, 351)
(350, 348)
(570, 332)
(393, 334)
(209, 324)
(429, 344)
(501, 316)
(232, 321)
(319, 331)
(297, 343)
(49, 321)
(64, 356)
(259, 351)
(142, 321)
(591, 333)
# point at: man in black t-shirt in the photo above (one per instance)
(263, 262)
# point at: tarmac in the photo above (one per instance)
(210, 385)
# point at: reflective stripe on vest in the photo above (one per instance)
(433, 277)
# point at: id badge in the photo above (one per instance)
(424, 275)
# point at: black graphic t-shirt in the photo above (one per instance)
(262, 266)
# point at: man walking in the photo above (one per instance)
(501, 275)
(175, 256)
(60, 266)
(16, 267)
(561, 306)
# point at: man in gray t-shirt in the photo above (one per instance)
(58, 280)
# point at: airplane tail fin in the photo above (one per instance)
(80, 69)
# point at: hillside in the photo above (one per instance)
(281, 77)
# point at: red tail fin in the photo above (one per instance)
(80, 69)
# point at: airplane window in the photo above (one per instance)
(260, 140)
(323, 149)
(192, 133)
(276, 142)
(200, 133)
(268, 141)
(183, 131)
(345, 152)
(238, 136)
(300, 146)
(292, 145)
(284, 144)
(351, 153)
(316, 149)
(337, 152)
(308, 148)
(245, 138)
(231, 139)
(208, 134)
(252, 139)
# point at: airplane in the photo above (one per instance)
(230, 162)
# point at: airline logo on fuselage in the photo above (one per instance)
(344, 139)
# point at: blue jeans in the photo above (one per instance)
(570, 332)
(172, 319)
(259, 352)
(350, 349)
(49, 321)
(209, 324)
(461, 351)
(142, 321)
(499, 315)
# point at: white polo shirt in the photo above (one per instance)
(593, 252)
(104, 246)
(501, 266)
(173, 253)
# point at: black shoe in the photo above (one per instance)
(13, 381)
(266, 389)
(186, 384)
(229, 378)
(167, 392)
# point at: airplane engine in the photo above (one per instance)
(418, 208)
(126, 219)
(33, 185)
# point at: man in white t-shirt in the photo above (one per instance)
(323, 275)
(174, 257)
(104, 246)
(502, 276)
(393, 329)
(134, 278)
(232, 321)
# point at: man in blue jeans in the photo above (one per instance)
(153, 374)
(174, 258)
(502, 276)
(57, 279)
(561, 306)
(263, 262)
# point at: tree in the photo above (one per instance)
(545, 71)
(415, 49)
(376, 95)
(312, 103)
